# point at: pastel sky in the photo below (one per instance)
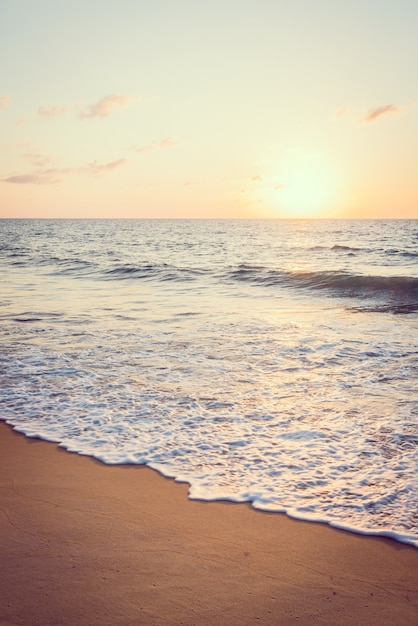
(227, 108)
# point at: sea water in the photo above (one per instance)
(273, 362)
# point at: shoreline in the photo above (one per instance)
(87, 543)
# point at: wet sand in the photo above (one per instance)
(89, 544)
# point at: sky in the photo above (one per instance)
(197, 109)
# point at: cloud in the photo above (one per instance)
(51, 111)
(43, 177)
(52, 176)
(94, 168)
(256, 179)
(374, 114)
(149, 147)
(168, 142)
(5, 100)
(341, 112)
(105, 106)
(37, 159)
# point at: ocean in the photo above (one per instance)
(273, 362)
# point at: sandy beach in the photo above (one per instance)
(90, 544)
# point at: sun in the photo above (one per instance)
(306, 187)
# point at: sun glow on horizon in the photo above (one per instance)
(307, 187)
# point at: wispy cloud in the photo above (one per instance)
(105, 106)
(51, 111)
(168, 142)
(149, 147)
(5, 100)
(341, 112)
(95, 168)
(37, 159)
(41, 177)
(374, 114)
(51, 176)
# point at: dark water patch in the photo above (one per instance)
(27, 319)
(74, 266)
(339, 248)
(32, 316)
(130, 271)
(14, 255)
(159, 272)
(396, 309)
(410, 255)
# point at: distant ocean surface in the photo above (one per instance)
(272, 362)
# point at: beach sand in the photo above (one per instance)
(82, 543)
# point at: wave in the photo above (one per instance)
(163, 272)
(409, 255)
(378, 293)
(339, 282)
(391, 252)
(72, 267)
(131, 271)
(396, 309)
(32, 316)
(402, 289)
(339, 248)
(396, 294)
